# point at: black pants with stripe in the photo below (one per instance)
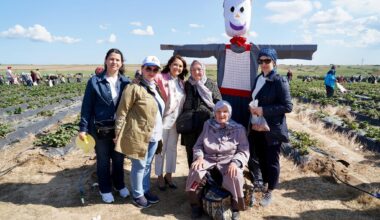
(268, 157)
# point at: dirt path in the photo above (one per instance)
(48, 188)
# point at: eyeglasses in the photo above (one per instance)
(150, 69)
(266, 61)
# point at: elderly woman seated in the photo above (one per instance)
(223, 146)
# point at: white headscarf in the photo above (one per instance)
(203, 91)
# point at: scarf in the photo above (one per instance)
(238, 40)
(204, 92)
(259, 85)
(174, 96)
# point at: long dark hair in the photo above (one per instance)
(185, 71)
(117, 51)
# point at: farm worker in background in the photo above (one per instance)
(201, 95)
(99, 70)
(100, 101)
(223, 146)
(36, 76)
(171, 84)
(10, 77)
(330, 80)
(289, 75)
(273, 96)
(139, 129)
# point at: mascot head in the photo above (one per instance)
(237, 17)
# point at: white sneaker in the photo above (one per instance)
(107, 197)
(124, 193)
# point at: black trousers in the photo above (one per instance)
(268, 157)
(329, 91)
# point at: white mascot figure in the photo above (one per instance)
(237, 62)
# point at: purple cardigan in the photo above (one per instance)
(222, 146)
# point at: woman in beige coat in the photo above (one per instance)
(139, 128)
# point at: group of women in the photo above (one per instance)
(138, 120)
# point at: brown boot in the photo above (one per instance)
(238, 205)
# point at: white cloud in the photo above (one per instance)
(359, 7)
(196, 25)
(334, 15)
(288, 11)
(173, 30)
(317, 5)
(148, 31)
(136, 23)
(36, 33)
(111, 39)
(253, 34)
(340, 26)
(103, 26)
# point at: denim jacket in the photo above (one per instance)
(97, 102)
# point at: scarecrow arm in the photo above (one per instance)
(195, 50)
(302, 51)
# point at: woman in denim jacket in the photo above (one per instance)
(99, 106)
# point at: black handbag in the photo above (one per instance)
(105, 129)
(185, 122)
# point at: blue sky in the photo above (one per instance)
(81, 31)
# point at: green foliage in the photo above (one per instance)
(302, 142)
(47, 113)
(4, 130)
(17, 110)
(60, 138)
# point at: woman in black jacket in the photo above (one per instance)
(273, 100)
(201, 94)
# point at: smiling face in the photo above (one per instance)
(237, 17)
(113, 62)
(197, 71)
(176, 67)
(222, 115)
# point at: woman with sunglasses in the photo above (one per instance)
(273, 96)
(171, 84)
(139, 129)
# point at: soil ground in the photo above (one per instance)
(41, 187)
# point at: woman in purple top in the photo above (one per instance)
(222, 145)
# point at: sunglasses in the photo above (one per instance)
(150, 69)
(266, 61)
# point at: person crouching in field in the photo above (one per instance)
(222, 145)
(139, 130)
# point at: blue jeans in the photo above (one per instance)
(105, 153)
(140, 172)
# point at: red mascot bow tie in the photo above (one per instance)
(238, 40)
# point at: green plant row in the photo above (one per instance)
(302, 142)
(60, 138)
(4, 130)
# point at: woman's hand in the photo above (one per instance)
(198, 164)
(232, 170)
(256, 111)
(115, 139)
(82, 135)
